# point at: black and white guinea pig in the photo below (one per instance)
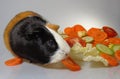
(28, 37)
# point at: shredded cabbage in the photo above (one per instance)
(87, 53)
(96, 59)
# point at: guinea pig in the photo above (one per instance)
(28, 36)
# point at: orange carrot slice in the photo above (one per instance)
(69, 31)
(117, 54)
(70, 64)
(78, 28)
(106, 42)
(111, 60)
(114, 40)
(97, 34)
(14, 61)
(95, 42)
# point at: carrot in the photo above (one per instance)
(117, 54)
(114, 40)
(106, 42)
(97, 34)
(111, 60)
(78, 28)
(73, 31)
(69, 63)
(94, 43)
(14, 61)
(69, 31)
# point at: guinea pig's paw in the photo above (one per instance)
(53, 26)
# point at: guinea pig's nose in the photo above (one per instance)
(66, 55)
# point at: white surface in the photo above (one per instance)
(89, 13)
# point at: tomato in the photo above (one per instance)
(110, 31)
(82, 42)
(72, 40)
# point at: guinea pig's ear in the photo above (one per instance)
(53, 26)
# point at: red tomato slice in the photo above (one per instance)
(72, 40)
(82, 42)
(110, 31)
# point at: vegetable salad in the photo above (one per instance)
(95, 44)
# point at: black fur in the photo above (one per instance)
(31, 40)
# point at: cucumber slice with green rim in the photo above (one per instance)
(88, 39)
(104, 49)
(116, 47)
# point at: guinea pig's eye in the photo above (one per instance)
(50, 43)
(33, 36)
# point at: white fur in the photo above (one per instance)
(63, 50)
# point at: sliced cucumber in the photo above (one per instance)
(88, 39)
(104, 49)
(116, 47)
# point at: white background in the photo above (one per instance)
(89, 13)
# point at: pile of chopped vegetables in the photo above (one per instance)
(95, 44)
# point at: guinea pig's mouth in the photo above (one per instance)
(58, 56)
